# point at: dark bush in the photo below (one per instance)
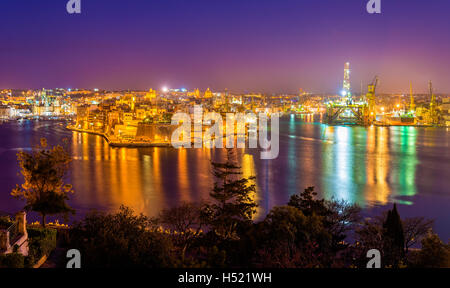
(29, 261)
(12, 260)
(434, 254)
(42, 241)
(5, 222)
(121, 240)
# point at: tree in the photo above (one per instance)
(434, 253)
(339, 217)
(380, 233)
(290, 239)
(185, 223)
(394, 239)
(121, 239)
(44, 190)
(369, 236)
(233, 203)
(415, 229)
(306, 202)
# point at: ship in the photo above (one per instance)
(402, 120)
(405, 119)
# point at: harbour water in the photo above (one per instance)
(371, 166)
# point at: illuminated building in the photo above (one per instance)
(208, 93)
(197, 93)
(5, 112)
(150, 95)
(412, 105)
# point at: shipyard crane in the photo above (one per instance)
(371, 113)
(433, 114)
(348, 111)
(433, 98)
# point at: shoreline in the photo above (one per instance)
(119, 144)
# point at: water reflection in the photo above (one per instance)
(248, 170)
(358, 167)
(368, 166)
(343, 164)
(404, 143)
(292, 157)
(377, 188)
(183, 176)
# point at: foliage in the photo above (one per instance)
(291, 239)
(434, 253)
(393, 238)
(29, 261)
(391, 243)
(307, 203)
(12, 260)
(43, 189)
(341, 218)
(184, 223)
(5, 222)
(216, 258)
(415, 229)
(42, 241)
(233, 203)
(286, 238)
(226, 220)
(338, 217)
(368, 236)
(384, 233)
(183, 218)
(121, 239)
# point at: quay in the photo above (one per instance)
(113, 142)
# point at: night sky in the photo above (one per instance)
(242, 45)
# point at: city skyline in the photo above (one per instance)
(257, 46)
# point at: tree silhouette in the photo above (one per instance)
(394, 239)
(233, 199)
(43, 189)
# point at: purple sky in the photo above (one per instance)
(242, 45)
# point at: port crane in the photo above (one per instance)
(371, 89)
(361, 113)
(433, 113)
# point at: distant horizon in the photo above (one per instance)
(355, 93)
